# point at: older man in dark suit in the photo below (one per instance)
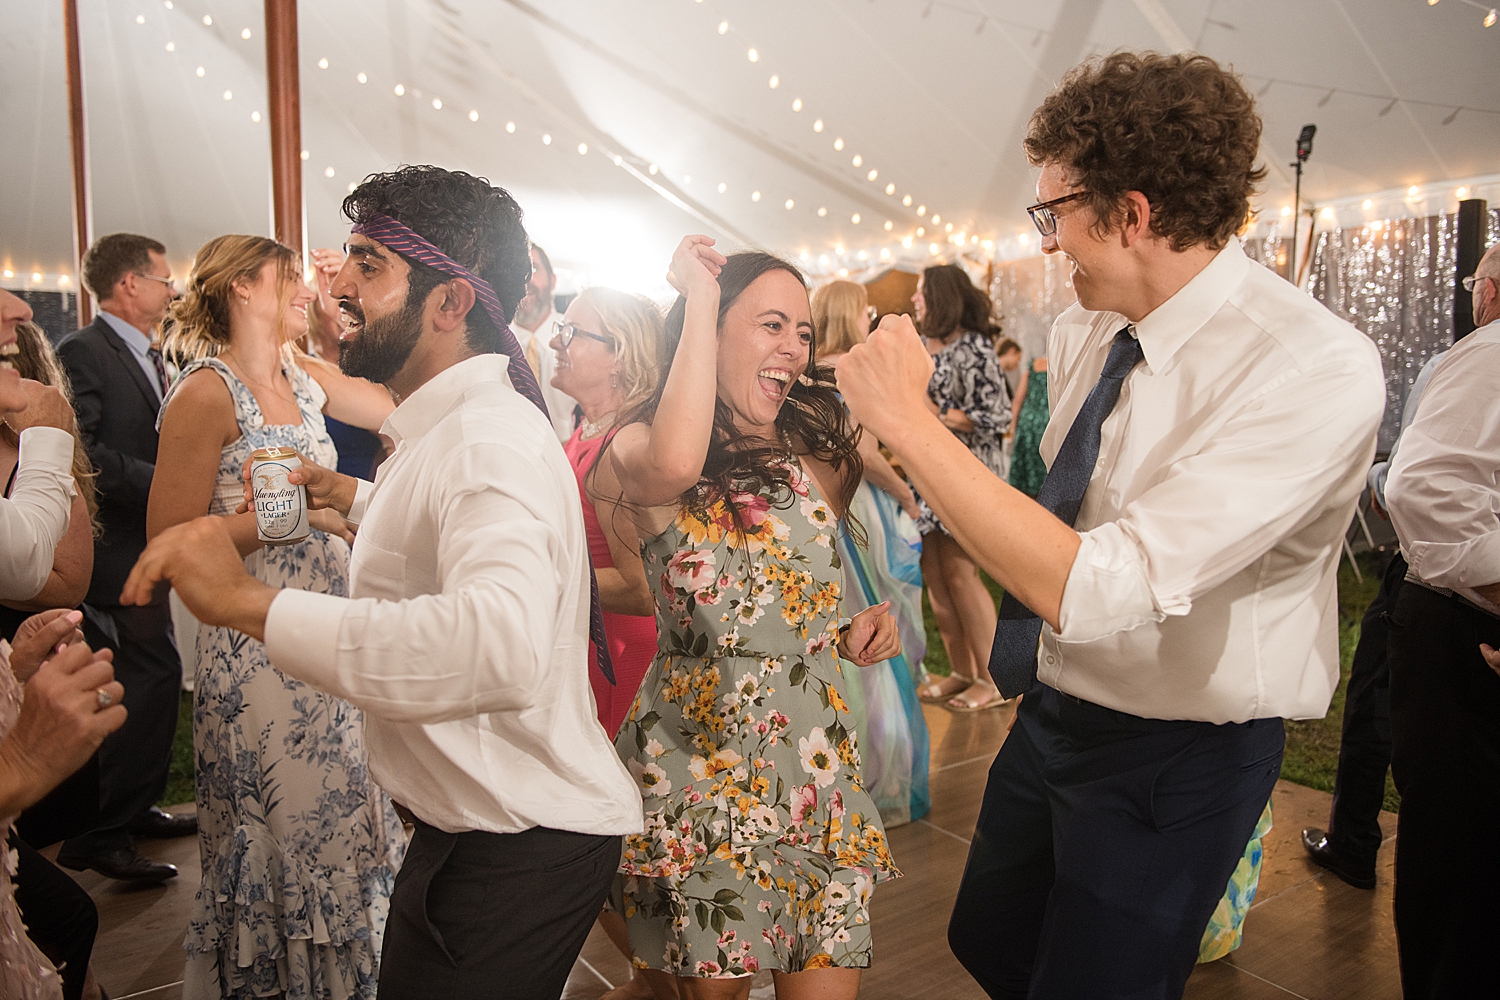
(119, 382)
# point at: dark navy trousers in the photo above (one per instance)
(1104, 843)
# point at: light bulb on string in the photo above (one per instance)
(822, 212)
(583, 149)
(889, 225)
(854, 218)
(796, 104)
(510, 126)
(245, 34)
(723, 27)
(473, 116)
(872, 175)
(140, 19)
(858, 160)
(906, 201)
(838, 248)
(906, 242)
(753, 55)
(790, 204)
(818, 125)
(361, 78)
(322, 64)
(171, 47)
(1489, 19)
(400, 90)
(775, 81)
(890, 189)
(921, 210)
(723, 187)
(921, 231)
(838, 144)
(200, 71)
(652, 169)
(938, 218)
(328, 172)
(1367, 204)
(755, 196)
(546, 139)
(207, 21)
(437, 104)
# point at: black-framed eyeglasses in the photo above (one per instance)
(1475, 279)
(1041, 213)
(567, 331)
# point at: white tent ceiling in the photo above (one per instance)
(932, 97)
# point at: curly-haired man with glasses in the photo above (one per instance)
(1170, 594)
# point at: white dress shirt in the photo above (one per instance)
(465, 639)
(559, 404)
(1381, 470)
(34, 518)
(140, 347)
(1444, 486)
(1204, 588)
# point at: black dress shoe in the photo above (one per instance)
(1318, 848)
(124, 864)
(157, 825)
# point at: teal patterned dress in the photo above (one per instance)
(299, 847)
(761, 847)
(1027, 470)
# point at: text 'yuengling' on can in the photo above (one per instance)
(280, 506)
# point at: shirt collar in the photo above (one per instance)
(134, 339)
(435, 398)
(1167, 327)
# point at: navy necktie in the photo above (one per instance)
(1013, 656)
(161, 369)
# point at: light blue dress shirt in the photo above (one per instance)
(139, 345)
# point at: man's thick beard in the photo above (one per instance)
(383, 345)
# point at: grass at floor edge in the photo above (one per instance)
(1312, 746)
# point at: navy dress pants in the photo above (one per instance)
(1104, 843)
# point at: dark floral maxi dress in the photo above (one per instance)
(761, 847)
(966, 376)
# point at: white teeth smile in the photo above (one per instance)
(10, 349)
(778, 374)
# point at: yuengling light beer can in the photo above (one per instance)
(280, 507)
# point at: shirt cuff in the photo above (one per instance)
(1466, 565)
(1107, 591)
(361, 500)
(302, 634)
(47, 448)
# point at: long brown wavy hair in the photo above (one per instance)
(813, 414)
(37, 361)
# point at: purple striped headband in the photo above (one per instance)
(405, 241)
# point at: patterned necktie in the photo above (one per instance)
(1013, 656)
(161, 369)
(398, 236)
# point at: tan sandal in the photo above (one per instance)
(933, 691)
(963, 702)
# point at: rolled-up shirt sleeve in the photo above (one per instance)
(1444, 484)
(35, 516)
(1280, 462)
(479, 646)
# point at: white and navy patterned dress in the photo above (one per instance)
(299, 848)
(966, 376)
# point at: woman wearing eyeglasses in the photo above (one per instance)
(611, 348)
(969, 394)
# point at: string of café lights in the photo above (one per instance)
(1491, 14)
(753, 54)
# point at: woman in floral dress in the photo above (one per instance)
(299, 847)
(761, 848)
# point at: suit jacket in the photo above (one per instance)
(117, 409)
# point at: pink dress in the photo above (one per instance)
(25, 973)
(632, 638)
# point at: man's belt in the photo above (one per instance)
(1411, 577)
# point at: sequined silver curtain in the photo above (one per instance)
(1395, 283)
(1028, 295)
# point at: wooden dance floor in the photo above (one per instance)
(1308, 935)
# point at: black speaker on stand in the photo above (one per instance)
(1304, 150)
(1471, 226)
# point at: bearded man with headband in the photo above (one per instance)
(466, 636)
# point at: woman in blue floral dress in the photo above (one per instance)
(761, 847)
(299, 849)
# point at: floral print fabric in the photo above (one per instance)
(299, 848)
(966, 376)
(743, 745)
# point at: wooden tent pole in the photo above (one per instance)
(284, 88)
(83, 221)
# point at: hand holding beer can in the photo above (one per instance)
(280, 506)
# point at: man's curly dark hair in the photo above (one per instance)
(472, 221)
(1180, 129)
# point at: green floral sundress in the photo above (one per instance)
(761, 848)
